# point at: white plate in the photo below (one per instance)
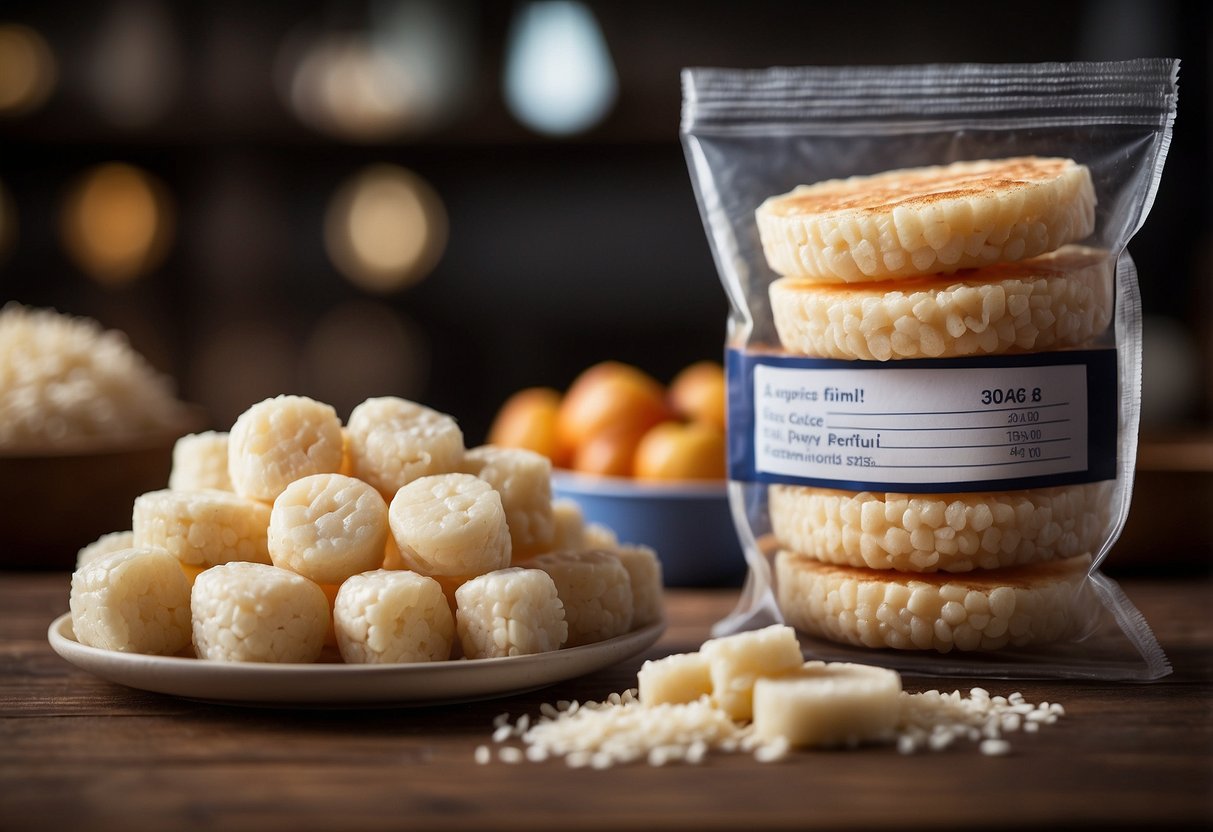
(343, 685)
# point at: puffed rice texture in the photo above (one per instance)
(328, 527)
(510, 612)
(279, 440)
(203, 528)
(940, 532)
(596, 591)
(134, 600)
(385, 616)
(1014, 607)
(254, 612)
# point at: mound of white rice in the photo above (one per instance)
(68, 381)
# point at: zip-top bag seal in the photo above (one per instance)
(934, 353)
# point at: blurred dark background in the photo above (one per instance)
(353, 199)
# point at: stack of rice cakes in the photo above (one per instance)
(384, 537)
(968, 259)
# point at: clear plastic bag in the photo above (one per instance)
(868, 531)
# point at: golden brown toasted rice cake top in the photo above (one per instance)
(916, 187)
(925, 221)
(1029, 576)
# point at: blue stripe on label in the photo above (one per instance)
(1103, 406)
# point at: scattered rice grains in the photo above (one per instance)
(622, 730)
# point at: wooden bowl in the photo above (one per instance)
(54, 501)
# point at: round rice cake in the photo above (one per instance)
(328, 527)
(1057, 300)
(133, 600)
(940, 532)
(596, 590)
(202, 528)
(254, 612)
(384, 616)
(510, 612)
(1018, 606)
(280, 440)
(920, 221)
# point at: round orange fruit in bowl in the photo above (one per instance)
(607, 454)
(645, 460)
(697, 393)
(681, 451)
(527, 420)
(610, 396)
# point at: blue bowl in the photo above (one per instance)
(688, 524)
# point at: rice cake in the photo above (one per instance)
(1015, 607)
(940, 532)
(920, 221)
(1061, 299)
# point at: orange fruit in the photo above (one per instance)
(608, 454)
(681, 451)
(698, 393)
(610, 396)
(527, 420)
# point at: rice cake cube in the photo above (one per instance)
(828, 704)
(675, 679)
(736, 661)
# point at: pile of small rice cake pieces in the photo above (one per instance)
(753, 692)
(967, 259)
(384, 538)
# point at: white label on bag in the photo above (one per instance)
(920, 425)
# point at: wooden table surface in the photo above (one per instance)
(79, 753)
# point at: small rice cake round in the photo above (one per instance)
(386, 616)
(599, 536)
(596, 591)
(203, 528)
(988, 610)
(450, 524)
(524, 480)
(104, 545)
(509, 612)
(940, 532)
(1062, 299)
(644, 572)
(328, 527)
(134, 600)
(279, 440)
(200, 462)
(255, 612)
(568, 524)
(393, 441)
